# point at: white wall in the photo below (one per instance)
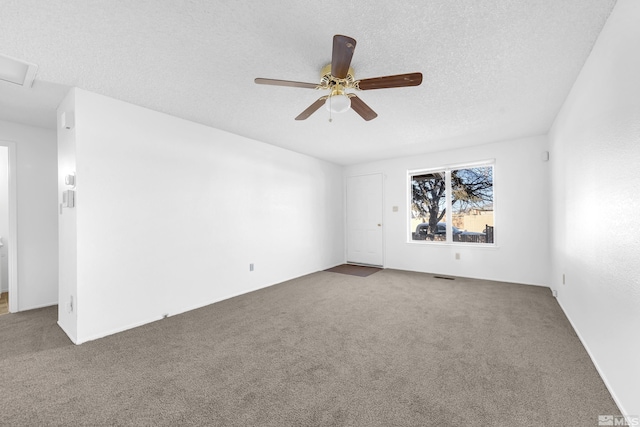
(4, 217)
(595, 144)
(67, 223)
(521, 214)
(36, 213)
(170, 214)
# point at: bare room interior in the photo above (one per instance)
(323, 214)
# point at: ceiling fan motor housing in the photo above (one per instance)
(337, 85)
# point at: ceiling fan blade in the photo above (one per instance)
(362, 109)
(399, 80)
(312, 108)
(275, 82)
(343, 48)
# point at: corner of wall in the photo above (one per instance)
(67, 220)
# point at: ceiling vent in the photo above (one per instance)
(17, 72)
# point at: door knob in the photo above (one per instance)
(379, 225)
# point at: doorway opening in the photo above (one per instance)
(8, 229)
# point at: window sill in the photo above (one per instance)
(456, 244)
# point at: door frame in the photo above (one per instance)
(12, 238)
(345, 225)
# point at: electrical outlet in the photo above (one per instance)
(554, 293)
(457, 255)
(70, 305)
(564, 282)
(251, 267)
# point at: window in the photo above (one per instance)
(452, 204)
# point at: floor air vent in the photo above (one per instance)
(444, 278)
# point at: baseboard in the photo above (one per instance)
(35, 307)
(226, 297)
(160, 317)
(488, 279)
(594, 361)
(72, 337)
(116, 330)
(180, 311)
(332, 266)
(237, 294)
(361, 264)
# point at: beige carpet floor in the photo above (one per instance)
(392, 349)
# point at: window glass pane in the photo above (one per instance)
(472, 204)
(428, 202)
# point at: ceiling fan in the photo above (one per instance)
(338, 76)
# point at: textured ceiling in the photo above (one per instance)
(493, 69)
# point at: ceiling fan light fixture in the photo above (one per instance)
(338, 103)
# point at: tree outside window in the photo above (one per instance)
(460, 196)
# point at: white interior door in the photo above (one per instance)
(364, 220)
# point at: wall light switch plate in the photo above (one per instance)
(68, 198)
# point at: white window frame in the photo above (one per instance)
(449, 234)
